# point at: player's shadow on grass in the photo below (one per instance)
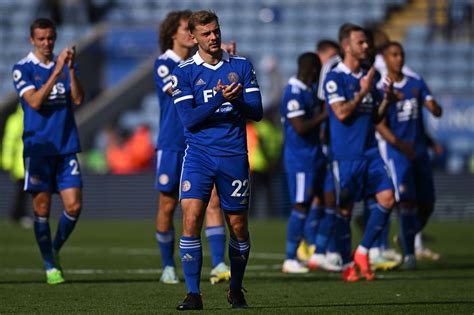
(332, 306)
(81, 281)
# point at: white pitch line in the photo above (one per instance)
(258, 271)
(128, 252)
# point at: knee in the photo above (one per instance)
(386, 199)
(343, 212)
(191, 225)
(74, 208)
(42, 208)
(240, 230)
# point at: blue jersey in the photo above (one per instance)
(405, 117)
(352, 138)
(212, 124)
(171, 134)
(299, 101)
(52, 129)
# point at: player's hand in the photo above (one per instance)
(231, 48)
(407, 149)
(389, 93)
(366, 81)
(219, 86)
(70, 57)
(61, 60)
(437, 110)
(233, 91)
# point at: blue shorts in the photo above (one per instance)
(357, 179)
(52, 173)
(306, 183)
(413, 179)
(230, 174)
(168, 170)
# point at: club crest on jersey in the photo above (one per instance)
(233, 77)
(293, 105)
(253, 81)
(174, 81)
(164, 179)
(162, 71)
(186, 186)
(16, 75)
(35, 180)
(331, 86)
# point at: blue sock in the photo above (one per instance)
(190, 250)
(65, 227)
(407, 229)
(326, 228)
(343, 237)
(312, 222)
(383, 238)
(166, 243)
(43, 238)
(216, 238)
(239, 255)
(332, 247)
(294, 233)
(375, 224)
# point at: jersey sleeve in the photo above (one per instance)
(183, 98)
(22, 79)
(252, 99)
(425, 91)
(334, 88)
(162, 73)
(293, 105)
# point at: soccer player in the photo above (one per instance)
(304, 161)
(407, 152)
(176, 45)
(48, 87)
(214, 93)
(354, 107)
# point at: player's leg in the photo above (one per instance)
(165, 235)
(425, 204)
(39, 180)
(197, 176)
(311, 226)
(233, 187)
(326, 226)
(377, 181)
(239, 250)
(215, 233)
(301, 187)
(168, 172)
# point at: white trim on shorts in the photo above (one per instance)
(300, 181)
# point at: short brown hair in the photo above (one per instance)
(202, 18)
(170, 26)
(42, 23)
(346, 29)
(390, 44)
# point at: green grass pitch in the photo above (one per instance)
(114, 267)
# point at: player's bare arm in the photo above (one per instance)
(343, 110)
(77, 93)
(35, 98)
(304, 126)
(389, 97)
(434, 108)
(406, 148)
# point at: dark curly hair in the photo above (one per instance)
(170, 26)
(42, 23)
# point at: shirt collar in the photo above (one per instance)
(401, 84)
(295, 81)
(36, 61)
(173, 56)
(344, 68)
(198, 59)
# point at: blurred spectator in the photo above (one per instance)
(134, 155)
(264, 142)
(12, 162)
